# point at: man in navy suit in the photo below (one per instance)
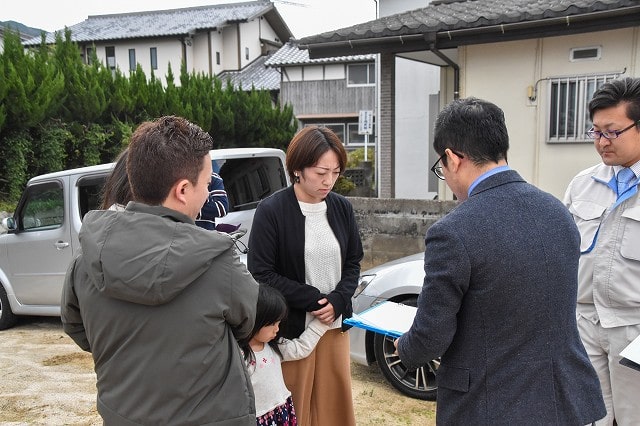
(498, 303)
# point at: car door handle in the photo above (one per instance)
(60, 245)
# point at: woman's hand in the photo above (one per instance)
(326, 314)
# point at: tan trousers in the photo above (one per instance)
(320, 384)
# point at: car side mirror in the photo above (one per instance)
(9, 224)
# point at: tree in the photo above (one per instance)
(222, 122)
(31, 86)
(84, 98)
(57, 112)
(140, 96)
(14, 152)
(196, 97)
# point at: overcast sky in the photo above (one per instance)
(304, 17)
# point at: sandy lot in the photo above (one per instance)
(47, 380)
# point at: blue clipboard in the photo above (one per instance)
(388, 318)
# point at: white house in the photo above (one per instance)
(540, 61)
(209, 39)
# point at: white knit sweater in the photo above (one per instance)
(322, 260)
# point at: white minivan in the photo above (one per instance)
(42, 235)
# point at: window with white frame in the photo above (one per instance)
(568, 106)
(361, 74)
(351, 139)
(585, 53)
(337, 128)
(356, 140)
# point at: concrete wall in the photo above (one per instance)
(391, 228)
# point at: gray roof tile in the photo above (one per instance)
(446, 15)
(255, 74)
(161, 22)
(291, 54)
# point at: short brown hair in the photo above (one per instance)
(308, 145)
(161, 153)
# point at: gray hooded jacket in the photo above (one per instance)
(160, 303)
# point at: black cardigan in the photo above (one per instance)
(276, 255)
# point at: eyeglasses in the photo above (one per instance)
(608, 134)
(437, 170)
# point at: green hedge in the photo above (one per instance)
(57, 112)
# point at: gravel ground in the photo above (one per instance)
(47, 380)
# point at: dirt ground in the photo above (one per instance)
(45, 379)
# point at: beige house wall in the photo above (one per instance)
(503, 73)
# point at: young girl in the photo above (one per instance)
(263, 354)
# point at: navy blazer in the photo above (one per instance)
(498, 304)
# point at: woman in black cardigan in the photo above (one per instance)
(304, 241)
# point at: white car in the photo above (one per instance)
(42, 234)
(399, 281)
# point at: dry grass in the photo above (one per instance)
(47, 379)
(378, 403)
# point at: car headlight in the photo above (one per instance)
(363, 282)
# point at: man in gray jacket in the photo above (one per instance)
(606, 207)
(158, 301)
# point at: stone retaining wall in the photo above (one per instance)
(392, 228)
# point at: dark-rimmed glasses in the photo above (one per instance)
(437, 170)
(609, 134)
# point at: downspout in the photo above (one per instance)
(184, 52)
(442, 189)
(239, 45)
(456, 68)
(376, 114)
(210, 53)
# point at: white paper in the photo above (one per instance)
(390, 318)
(632, 351)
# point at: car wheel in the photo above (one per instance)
(419, 383)
(7, 317)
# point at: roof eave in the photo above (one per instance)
(564, 25)
(319, 61)
(278, 24)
